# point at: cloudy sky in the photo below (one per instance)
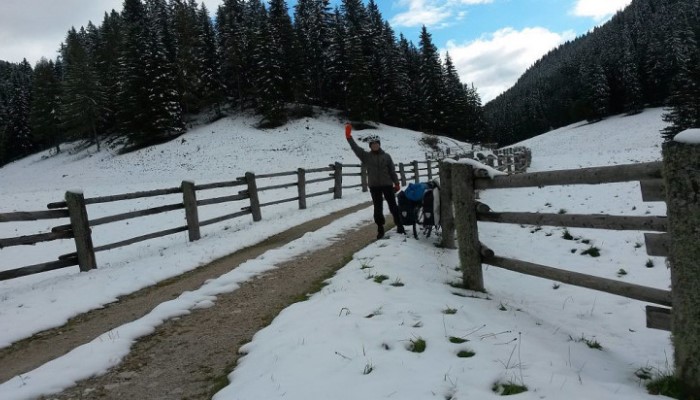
(492, 42)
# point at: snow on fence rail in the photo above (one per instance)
(80, 227)
(678, 186)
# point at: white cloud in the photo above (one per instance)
(33, 29)
(598, 9)
(420, 12)
(494, 62)
(431, 13)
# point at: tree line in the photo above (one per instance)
(646, 56)
(135, 79)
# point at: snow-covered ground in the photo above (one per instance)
(350, 340)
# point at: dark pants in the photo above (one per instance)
(388, 193)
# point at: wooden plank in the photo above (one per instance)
(657, 244)
(352, 186)
(217, 185)
(653, 190)
(310, 181)
(131, 196)
(219, 200)
(582, 176)
(272, 203)
(132, 214)
(468, 245)
(352, 174)
(224, 218)
(327, 169)
(37, 268)
(253, 196)
(141, 238)
(326, 192)
(593, 221)
(659, 318)
(338, 186)
(280, 186)
(34, 239)
(58, 204)
(82, 234)
(637, 292)
(275, 175)
(189, 198)
(446, 209)
(33, 215)
(301, 188)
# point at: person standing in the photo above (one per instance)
(381, 178)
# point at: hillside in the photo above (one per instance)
(645, 56)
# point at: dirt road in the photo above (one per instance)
(189, 357)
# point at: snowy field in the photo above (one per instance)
(350, 340)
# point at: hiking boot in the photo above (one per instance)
(400, 229)
(380, 231)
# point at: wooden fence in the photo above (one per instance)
(679, 187)
(75, 207)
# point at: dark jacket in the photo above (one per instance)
(380, 167)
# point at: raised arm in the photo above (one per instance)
(359, 152)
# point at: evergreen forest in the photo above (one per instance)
(137, 78)
(144, 73)
(647, 55)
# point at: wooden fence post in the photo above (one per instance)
(402, 174)
(301, 188)
(338, 175)
(447, 219)
(466, 224)
(430, 171)
(682, 180)
(81, 230)
(189, 197)
(253, 195)
(363, 178)
(416, 173)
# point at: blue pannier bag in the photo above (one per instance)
(415, 191)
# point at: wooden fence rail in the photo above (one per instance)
(465, 180)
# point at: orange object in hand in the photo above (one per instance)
(397, 187)
(348, 131)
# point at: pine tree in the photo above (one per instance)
(283, 44)
(269, 84)
(598, 94)
(164, 98)
(634, 102)
(46, 101)
(133, 106)
(186, 34)
(431, 83)
(82, 96)
(206, 52)
(312, 26)
(337, 68)
(409, 58)
(359, 93)
(18, 137)
(683, 105)
(456, 106)
(106, 61)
